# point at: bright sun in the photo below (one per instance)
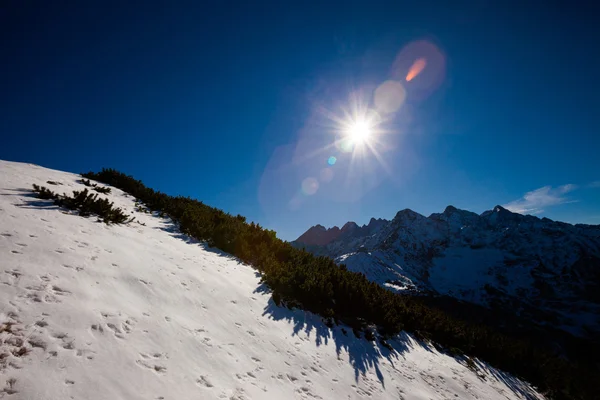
(359, 131)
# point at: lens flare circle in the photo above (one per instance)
(344, 143)
(310, 186)
(389, 96)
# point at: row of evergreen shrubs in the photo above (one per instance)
(300, 279)
(86, 203)
(99, 189)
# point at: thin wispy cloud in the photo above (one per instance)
(595, 184)
(536, 201)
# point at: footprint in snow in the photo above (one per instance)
(248, 376)
(78, 269)
(10, 387)
(156, 356)
(36, 342)
(69, 345)
(15, 273)
(116, 330)
(118, 325)
(59, 291)
(203, 381)
(159, 369)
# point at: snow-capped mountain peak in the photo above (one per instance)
(496, 257)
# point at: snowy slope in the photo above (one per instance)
(91, 311)
(546, 270)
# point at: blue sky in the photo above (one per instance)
(238, 104)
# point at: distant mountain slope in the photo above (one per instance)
(548, 270)
(139, 311)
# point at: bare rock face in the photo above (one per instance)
(318, 235)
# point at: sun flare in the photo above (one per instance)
(359, 131)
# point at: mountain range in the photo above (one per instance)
(545, 270)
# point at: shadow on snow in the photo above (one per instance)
(31, 201)
(363, 355)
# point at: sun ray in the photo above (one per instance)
(358, 131)
(379, 158)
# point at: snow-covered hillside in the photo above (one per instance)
(92, 311)
(547, 270)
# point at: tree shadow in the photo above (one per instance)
(172, 228)
(31, 199)
(19, 192)
(45, 204)
(262, 288)
(517, 386)
(363, 355)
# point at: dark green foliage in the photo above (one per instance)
(87, 183)
(143, 210)
(103, 190)
(53, 183)
(86, 203)
(99, 189)
(300, 279)
(44, 193)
